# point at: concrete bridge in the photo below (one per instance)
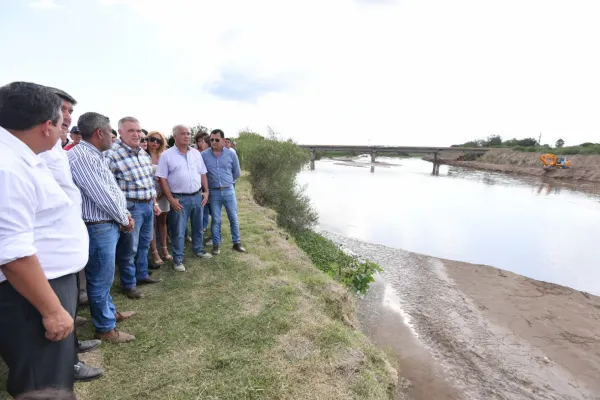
(381, 150)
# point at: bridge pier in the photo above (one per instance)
(436, 165)
(313, 157)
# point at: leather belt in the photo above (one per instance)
(221, 188)
(186, 194)
(139, 200)
(100, 222)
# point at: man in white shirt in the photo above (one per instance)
(38, 288)
(57, 161)
(181, 173)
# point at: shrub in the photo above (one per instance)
(273, 165)
(333, 260)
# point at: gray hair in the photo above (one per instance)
(176, 127)
(90, 122)
(127, 119)
(23, 105)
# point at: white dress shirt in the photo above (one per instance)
(182, 171)
(36, 215)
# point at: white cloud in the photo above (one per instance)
(44, 4)
(412, 72)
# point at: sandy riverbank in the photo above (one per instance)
(585, 168)
(464, 331)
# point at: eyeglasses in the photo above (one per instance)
(155, 140)
(143, 140)
(215, 140)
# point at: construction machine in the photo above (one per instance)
(552, 161)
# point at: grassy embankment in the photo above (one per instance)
(261, 325)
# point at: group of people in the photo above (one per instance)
(73, 208)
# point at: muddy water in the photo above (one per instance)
(541, 229)
(446, 345)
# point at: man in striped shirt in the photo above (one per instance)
(132, 168)
(104, 212)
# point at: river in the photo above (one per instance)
(541, 229)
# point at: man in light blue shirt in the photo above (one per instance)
(223, 169)
(181, 174)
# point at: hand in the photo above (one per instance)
(204, 198)
(128, 228)
(175, 205)
(157, 209)
(58, 325)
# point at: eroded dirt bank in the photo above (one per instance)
(585, 168)
(464, 331)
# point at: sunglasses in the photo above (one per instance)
(215, 140)
(143, 140)
(155, 140)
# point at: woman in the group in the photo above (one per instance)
(144, 140)
(156, 145)
(202, 144)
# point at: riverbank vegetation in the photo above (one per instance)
(531, 145)
(273, 165)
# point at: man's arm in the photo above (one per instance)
(236, 167)
(97, 183)
(18, 262)
(27, 277)
(162, 172)
(205, 194)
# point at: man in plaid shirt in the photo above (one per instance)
(132, 168)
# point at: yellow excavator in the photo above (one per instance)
(552, 161)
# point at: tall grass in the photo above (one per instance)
(273, 165)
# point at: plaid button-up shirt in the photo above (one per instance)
(133, 171)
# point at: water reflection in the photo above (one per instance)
(540, 228)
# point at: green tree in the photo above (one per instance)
(494, 141)
(560, 143)
(198, 128)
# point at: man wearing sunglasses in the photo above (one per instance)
(223, 170)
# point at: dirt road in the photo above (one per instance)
(463, 331)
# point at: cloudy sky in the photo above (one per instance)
(405, 72)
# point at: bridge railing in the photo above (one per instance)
(374, 150)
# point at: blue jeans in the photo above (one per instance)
(100, 273)
(218, 199)
(132, 249)
(178, 226)
(205, 216)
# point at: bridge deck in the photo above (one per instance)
(396, 149)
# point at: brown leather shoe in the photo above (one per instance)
(238, 247)
(115, 336)
(122, 316)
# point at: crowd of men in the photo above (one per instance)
(71, 208)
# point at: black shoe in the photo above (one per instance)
(216, 250)
(133, 293)
(238, 247)
(148, 281)
(87, 345)
(84, 373)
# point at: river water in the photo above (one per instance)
(546, 230)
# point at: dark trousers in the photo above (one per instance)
(35, 362)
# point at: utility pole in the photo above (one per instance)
(540, 139)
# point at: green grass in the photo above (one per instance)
(261, 325)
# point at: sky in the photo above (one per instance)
(379, 72)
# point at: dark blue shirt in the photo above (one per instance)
(223, 170)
